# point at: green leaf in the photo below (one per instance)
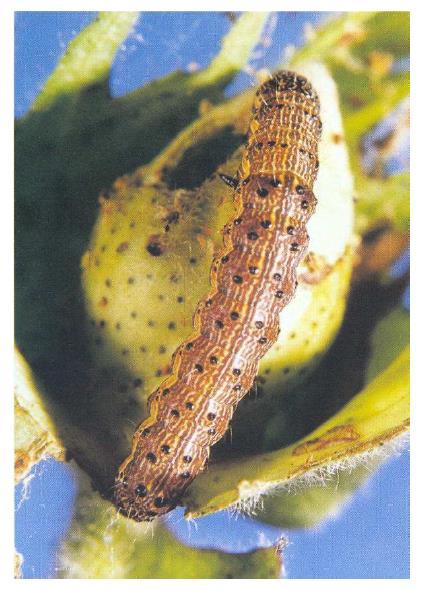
(88, 58)
(384, 200)
(386, 32)
(351, 44)
(308, 503)
(236, 49)
(374, 417)
(361, 49)
(359, 122)
(328, 36)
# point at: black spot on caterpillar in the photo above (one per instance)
(252, 279)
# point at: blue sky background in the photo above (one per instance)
(370, 538)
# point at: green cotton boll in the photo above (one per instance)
(147, 267)
(73, 141)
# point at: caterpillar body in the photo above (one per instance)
(252, 279)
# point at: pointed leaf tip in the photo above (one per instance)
(88, 58)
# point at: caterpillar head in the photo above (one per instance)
(152, 481)
(285, 81)
(139, 498)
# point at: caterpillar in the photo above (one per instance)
(252, 279)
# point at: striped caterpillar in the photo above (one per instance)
(252, 279)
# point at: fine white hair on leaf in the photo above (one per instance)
(251, 496)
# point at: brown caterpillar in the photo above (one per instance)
(252, 279)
